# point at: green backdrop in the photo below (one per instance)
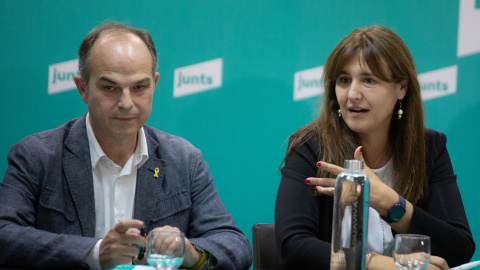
(242, 127)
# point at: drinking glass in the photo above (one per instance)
(165, 249)
(411, 251)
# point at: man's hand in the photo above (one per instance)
(192, 256)
(121, 244)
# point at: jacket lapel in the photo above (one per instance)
(149, 182)
(78, 171)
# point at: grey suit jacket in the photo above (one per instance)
(47, 205)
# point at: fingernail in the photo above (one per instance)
(319, 164)
(308, 181)
(361, 149)
(316, 188)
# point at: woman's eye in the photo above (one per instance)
(369, 80)
(343, 80)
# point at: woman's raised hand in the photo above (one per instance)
(326, 186)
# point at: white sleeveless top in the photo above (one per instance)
(379, 236)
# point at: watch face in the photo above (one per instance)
(397, 212)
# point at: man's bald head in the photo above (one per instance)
(116, 30)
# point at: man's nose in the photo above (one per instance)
(125, 100)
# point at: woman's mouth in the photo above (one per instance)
(357, 111)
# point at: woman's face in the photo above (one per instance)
(366, 102)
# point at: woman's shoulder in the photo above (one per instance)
(435, 143)
(304, 141)
(433, 133)
(307, 134)
(434, 137)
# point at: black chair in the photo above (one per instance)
(264, 247)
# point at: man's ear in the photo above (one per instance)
(82, 90)
(155, 80)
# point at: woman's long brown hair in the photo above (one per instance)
(389, 59)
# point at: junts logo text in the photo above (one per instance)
(438, 83)
(60, 76)
(198, 77)
(308, 83)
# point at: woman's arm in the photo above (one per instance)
(442, 216)
(302, 220)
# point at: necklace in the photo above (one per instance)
(384, 246)
(382, 175)
(383, 234)
(378, 160)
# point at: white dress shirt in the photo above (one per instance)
(114, 188)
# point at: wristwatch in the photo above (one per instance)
(397, 211)
(202, 263)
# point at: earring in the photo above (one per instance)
(339, 113)
(400, 111)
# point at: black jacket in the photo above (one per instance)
(303, 222)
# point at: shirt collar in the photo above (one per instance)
(96, 152)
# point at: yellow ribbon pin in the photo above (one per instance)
(156, 173)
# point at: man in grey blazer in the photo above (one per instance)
(74, 197)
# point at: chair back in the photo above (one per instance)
(264, 247)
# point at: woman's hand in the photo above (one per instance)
(326, 186)
(382, 197)
(437, 263)
(377, 261)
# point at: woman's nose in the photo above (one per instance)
(354, 92)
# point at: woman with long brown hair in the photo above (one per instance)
(372, 111)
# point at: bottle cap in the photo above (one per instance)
(353, 164)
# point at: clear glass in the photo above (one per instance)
(165, 249)
(412, 251)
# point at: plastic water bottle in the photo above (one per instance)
(350, 218)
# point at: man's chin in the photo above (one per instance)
(126, 133)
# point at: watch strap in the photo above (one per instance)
(202, 261)
(399, 207)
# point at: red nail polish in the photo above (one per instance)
(308, 181)
(361, 149)
(319, 164)
(316, 188)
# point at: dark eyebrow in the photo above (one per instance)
(145, 80)
(107, 80)
(363, 74)
(367, 74)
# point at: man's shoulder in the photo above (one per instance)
(54, 135)
(159, 135)
(168, 142)
(47, 146)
